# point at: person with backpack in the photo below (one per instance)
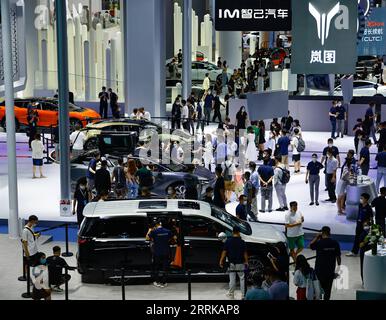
(229, 170)
(280, 181)
(298, 146)
(283, 144)
(250, 194)
(304, 280)
(119, 177)
(313, 178)
(191, 183)
(266, 175)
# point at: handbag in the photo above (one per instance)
(313, 289)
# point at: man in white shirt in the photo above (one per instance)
(77, 139)
(145, 114)
(185, 115)
(296, 155)
(177, 154)
(29, 241)
(295, 234)
(206, 83)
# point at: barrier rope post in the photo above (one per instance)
(245, 282)
(189, 285)
(28, 295)
(66, 283)
(52, 134)
(123, 284)
(47, 151)
(67, 253)
(24, 276)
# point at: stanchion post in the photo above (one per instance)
(28, 295)
(67, 253)
(24, 276)
(66, 283)
(189, 285)
(123, 284)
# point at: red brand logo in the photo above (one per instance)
(372, 24)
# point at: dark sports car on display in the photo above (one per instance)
(165, 175)
(113, 236)
(48, 111)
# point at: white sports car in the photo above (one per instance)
(362, 88)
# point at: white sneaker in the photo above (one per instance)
(57, 289)
(230, 295)
(351, 254)
(156, 284)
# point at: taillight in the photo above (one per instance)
(82, 241)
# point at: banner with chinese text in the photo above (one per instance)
(324, 36)
(373, 42)
(252, 15)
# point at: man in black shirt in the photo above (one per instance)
(358, 131)
(55, 270)
(216, 107)
(114, 104)
(160, 238)
(335, 153)
(327, 255)
(235, 250)
(102, 179)
(208, 198)
(365, 213)
(191, 184)
(103, 102)
(379, 204)
(219, 189)
(382, 137)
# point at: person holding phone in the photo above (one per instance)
(295, 234)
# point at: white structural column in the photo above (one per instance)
(207, 34)
(230, 48)
(71, 54)
(78, 55)
(92, 66)
(119, 64)
(145, 83)
(187, 49)
(113, 64)
(194, 34)
(177, 28)
(99, 57)
(13, 221)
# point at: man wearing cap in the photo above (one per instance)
(313, 178)
(235, 250)
(327, 255)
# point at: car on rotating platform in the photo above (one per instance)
(112, 236)
(361, 88)
(165, 175)
(48, 110)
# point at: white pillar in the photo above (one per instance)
(99, 57)
(194, 34)
(52, 66)
(206, 36)
(113, 64)
(177, 16)
(78, 61)
(252, 44)
(120, 65)
(230, 48)
(93, 87)
(71, 54)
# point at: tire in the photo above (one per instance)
(4, 124)
(91, 144)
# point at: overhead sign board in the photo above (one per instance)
(253, 15)
(324, 36)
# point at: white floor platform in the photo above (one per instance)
(42, 196)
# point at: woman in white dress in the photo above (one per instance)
(208, 151)
(251, 153)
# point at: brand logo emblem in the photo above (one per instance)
(323, 20)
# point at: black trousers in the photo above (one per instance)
(326, 284)
(176, 123)
(365, 169)
(103, 110)
(61, 280)
(358, 232)
(160, 268)
(331, 187)
(217, 115)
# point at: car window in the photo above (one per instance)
(20, 104)
(196, 226)
(48, 106)
(231, 220)
(115, 227)
(362, 84)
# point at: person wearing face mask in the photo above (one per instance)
(369, 121)
(335, 153)
(29, 240)
(333, 117)
(41, 287)
(363, 244)
(81, 199)
(364, 157)
(313, 178)
(331, 168)
(341, 118)
(176, 114)
(216, 105)
(365, 213)
(346, 171)
(241, 119)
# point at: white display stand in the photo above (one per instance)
(252, 44)
(374, 276)
(275, 80)
(177, 28)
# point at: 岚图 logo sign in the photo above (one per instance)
(323, 20)
(324, 36)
